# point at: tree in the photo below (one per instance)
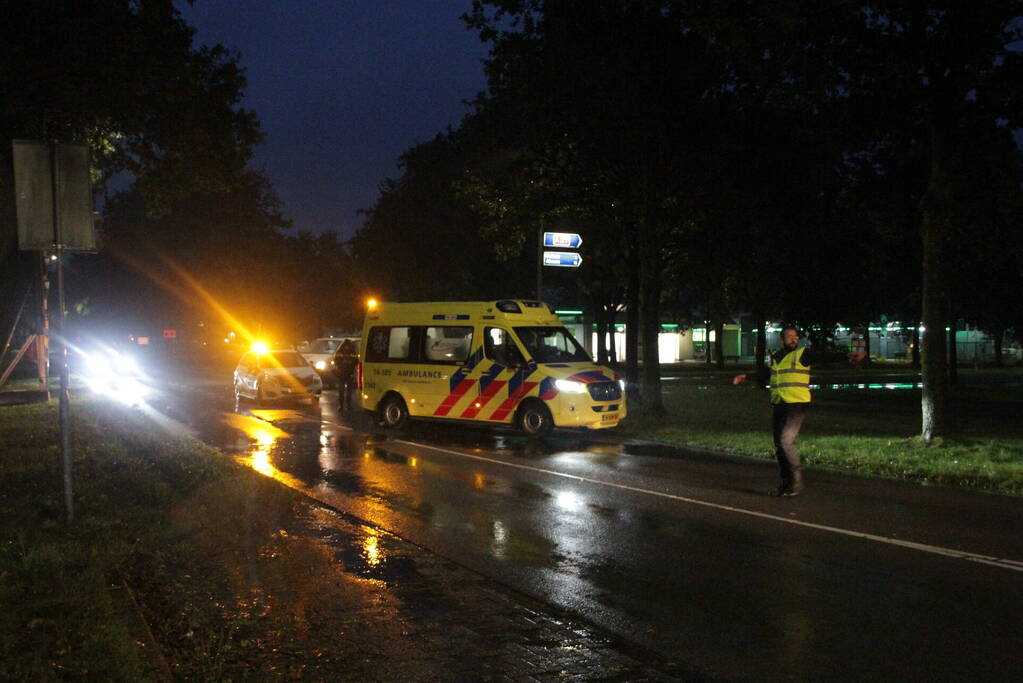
(422, 239)
(205, 253)
(929, 76)
(608, 100)
(124, 77)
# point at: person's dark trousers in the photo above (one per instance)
(788, 419)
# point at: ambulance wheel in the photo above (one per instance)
(535, 419)
(393, 412)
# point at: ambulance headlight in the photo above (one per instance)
(570, 387)
(321, 365)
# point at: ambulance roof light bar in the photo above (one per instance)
(508, 307)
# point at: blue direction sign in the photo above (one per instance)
(562, 240)
(566, 259)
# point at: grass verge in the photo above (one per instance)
(153, 511)
(866, 432)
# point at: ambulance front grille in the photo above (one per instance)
(605, 391)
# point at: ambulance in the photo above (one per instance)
(507, 362)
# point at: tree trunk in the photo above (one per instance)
(998, 336)
(761, 350)
(612, 349)
(651, 397)
(650, 300)
(719, 344)
(953, 354)
(915, 340)
(632, 326)
(934, 311)
(600, 317)
(708, 357)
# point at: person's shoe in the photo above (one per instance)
(781, 490)
(796, 486)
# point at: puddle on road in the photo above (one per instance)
(367, 553)
(289, 457)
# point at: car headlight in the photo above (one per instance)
(570, 387)
(113, 375)
(321, 365)
(621, 383)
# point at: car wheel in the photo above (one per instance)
(393, 412)
(535, 419)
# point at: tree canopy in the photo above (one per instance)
(820, 165)
(190, 231)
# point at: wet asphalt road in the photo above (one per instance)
(678, 551)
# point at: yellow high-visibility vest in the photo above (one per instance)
(790, 379)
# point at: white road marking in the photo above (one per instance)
(1002, 562)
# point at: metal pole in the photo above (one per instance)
(43, 339)
(65, 399)
(539, 264)
(65, 396)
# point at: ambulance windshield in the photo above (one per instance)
(552, 345)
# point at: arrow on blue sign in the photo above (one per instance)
(563, 240)
(566, 259)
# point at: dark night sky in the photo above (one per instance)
(342, 88)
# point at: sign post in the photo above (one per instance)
(559, 259)
(54, 207)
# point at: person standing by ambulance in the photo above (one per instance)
(789, 375)
(346, 361)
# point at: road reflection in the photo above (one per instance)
(551, 533)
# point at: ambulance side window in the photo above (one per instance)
(400, 343)
(389, 344)
(447, 344)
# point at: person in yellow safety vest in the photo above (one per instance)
(790, 397)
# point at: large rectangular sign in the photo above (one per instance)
(562, 240)
(43, 176)
(564, 259)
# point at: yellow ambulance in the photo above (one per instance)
(492, 362)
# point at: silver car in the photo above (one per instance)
(276, 375)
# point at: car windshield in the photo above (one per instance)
(552, 345)
(323, 346)
(284, 359)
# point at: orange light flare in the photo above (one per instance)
(196, 288)
(257, 345)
